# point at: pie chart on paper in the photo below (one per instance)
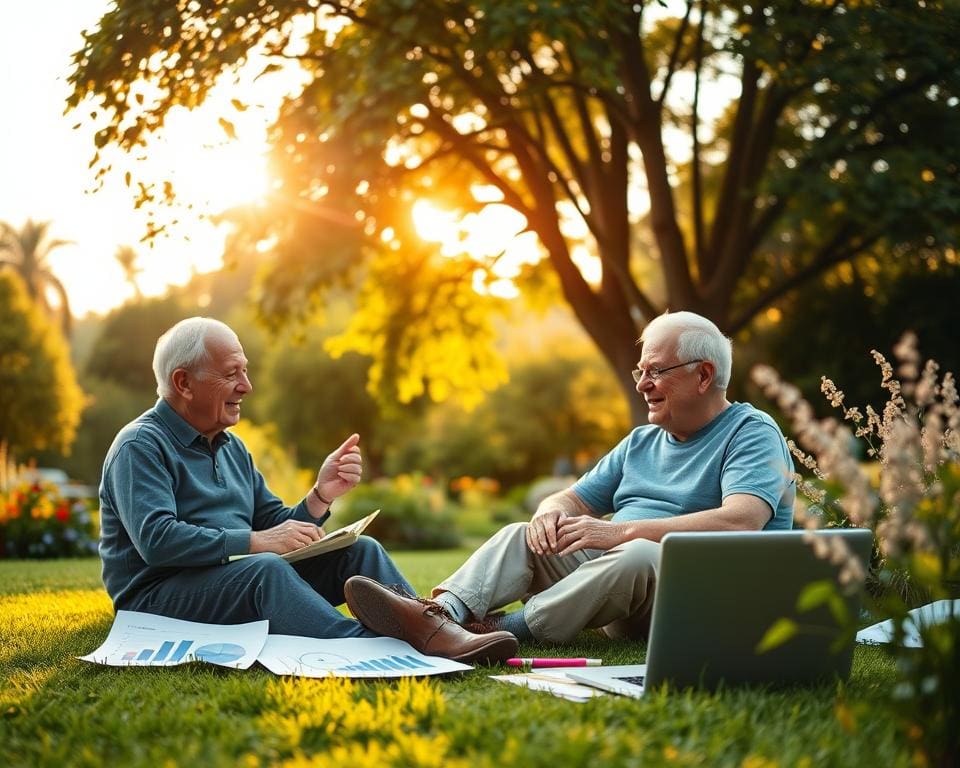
(324, 661)
(220, 653)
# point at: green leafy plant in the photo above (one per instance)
(912, 503)
(35, 521)
(414, 512)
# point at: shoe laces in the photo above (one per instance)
(487, 624)
(431, 607)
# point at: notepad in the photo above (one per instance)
(338, 539)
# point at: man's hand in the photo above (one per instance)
(283, 538)
(341, 470)
(586, 532)
(542, 531)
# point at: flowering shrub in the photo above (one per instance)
(35, 521)
(913, 506)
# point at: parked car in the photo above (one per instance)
(61, 480)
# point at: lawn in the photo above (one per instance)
(58, 711)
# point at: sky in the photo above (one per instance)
(44, 172)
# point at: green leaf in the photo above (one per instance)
(815, 594)
(824, 593)
(781, 631)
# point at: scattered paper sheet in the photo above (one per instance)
(926, 615)
(147, 640)
(350, 657)
(552, 680)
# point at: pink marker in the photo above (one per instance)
(555, 662)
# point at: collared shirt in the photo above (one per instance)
(651, 474)
(169, 499)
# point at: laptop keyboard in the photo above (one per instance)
(636, 680)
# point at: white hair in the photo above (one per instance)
(184, 346)
(697, 339)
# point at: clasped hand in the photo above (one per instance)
(554, 533)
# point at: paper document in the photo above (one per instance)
(551, 680)
(350, 657)
(338, 539)
(147, 640)
(938, 612)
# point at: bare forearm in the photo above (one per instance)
(740, 512)
(565, 503)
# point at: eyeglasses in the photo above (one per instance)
(654, 374)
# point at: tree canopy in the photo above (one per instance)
(40, 400)
(598, 122)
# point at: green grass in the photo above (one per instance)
(55, 710)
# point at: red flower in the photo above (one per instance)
(63, 514)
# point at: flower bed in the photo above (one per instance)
(36, 521)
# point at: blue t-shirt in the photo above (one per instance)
(651, 474)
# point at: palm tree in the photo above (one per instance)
(127, 257)
(27, 250)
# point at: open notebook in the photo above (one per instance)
(338, 539)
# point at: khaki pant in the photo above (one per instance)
(563, 595)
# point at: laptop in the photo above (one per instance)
(717, 595)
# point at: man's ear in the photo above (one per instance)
(181, 383)
(706, 373)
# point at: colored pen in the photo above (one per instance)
(555, 662)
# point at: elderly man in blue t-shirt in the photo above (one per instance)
(701, 464)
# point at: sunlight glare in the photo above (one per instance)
(433, 224)
(213, 173)
(495, 237)
(486, 193)
(588, 264)
(489, 232)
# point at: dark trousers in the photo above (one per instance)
(297, 598)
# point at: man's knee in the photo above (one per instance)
(512, 530)
(268, 565)
(640, 555)
(367, 545)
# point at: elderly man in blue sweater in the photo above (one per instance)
(180, 495)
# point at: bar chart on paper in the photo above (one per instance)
(369, 657)
(177, 651)
(163, 653)
(143, 639)
(332, 663)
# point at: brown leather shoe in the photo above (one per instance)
(422, 623)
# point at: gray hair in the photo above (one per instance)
(184, 346)
(697, 339)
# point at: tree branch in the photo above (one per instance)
(828, 256)
(675, 53)
(697, 185)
